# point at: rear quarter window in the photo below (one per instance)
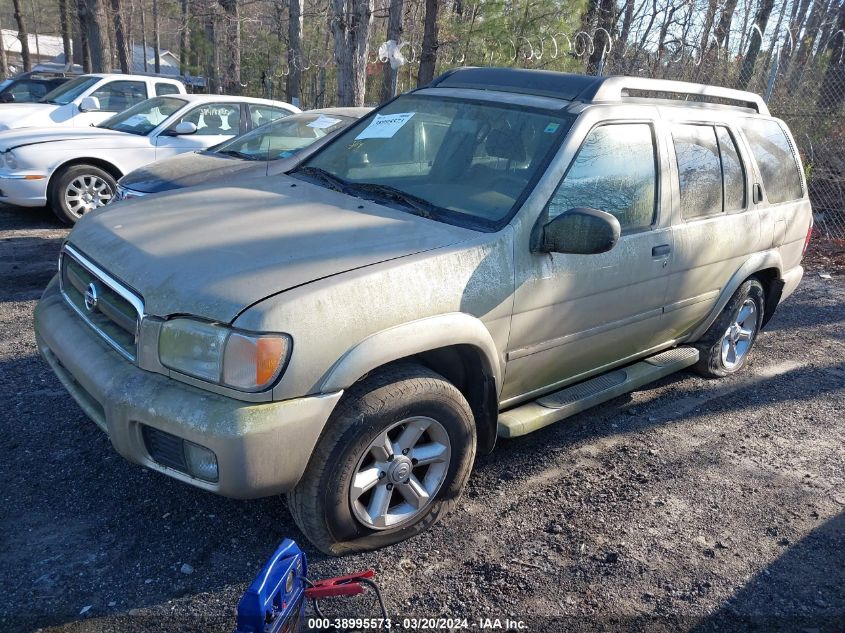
(166, 89)
(775, 158)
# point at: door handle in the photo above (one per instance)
(660, 251)
(757, 193)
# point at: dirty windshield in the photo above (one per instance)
(459, 161)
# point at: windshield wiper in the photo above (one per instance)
(419, 205)
(236, 154)
(329, 180)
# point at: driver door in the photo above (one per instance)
(576, 314)
(216, 122)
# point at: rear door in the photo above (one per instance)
(717, 225)
(575, 315)
(784, 207)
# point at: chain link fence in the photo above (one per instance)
(803, 82)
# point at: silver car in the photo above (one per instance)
(481, 257)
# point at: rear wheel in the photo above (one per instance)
(393, 460)
(725, 347)
(79, 189)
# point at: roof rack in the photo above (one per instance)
(592, 89)
(618, 88)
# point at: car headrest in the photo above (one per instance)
(213, 121)
(502, 143)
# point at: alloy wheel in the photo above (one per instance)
(400, 472)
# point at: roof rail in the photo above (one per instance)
(618, 88)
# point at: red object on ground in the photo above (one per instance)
(339, 586)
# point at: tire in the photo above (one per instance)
(725, 347)
(336, 518)
(79, 189)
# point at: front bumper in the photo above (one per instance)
(23, 192)
(262, 449)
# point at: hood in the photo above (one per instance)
(34, 136)
(15, 115)
(214, 251)
(187, 170)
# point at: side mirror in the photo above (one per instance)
(581, 231)
(184, 128)
(89, 104)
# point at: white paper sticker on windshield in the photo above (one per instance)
(137, 119)
(322, 122)
(384, 126)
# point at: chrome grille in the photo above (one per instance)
(112, 310)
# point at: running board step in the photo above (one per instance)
(567, 402)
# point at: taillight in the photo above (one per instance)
(807, 239)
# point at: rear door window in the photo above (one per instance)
(261, 114)
(775, 159)
(615, 172)
(699, 170)
(166, 89)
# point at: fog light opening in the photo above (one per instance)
(201, 462)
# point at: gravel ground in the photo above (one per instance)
(688, 505)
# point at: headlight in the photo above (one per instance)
(11, 160)
(246, 361)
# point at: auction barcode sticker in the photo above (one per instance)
(384, 126)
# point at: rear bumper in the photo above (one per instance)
(791, 279)
(23, 192)
(261, 449)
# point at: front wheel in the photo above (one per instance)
(725, 347)
(79, 189)
(393, 460)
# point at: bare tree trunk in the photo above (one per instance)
(212, 66)
(4, 62)
(394, 32)
(67, 45)
(428, 57)
(184, 38)
(761, 20)
(832, 93)
(807, 42)
(350, 25)
(94, 25)
(156, 38)
(828, 21)
(23, 36)
(625, 33)
(36, 28)
(774, 45)
(232, 81)
(723, 29)
(294, 79)
(85, 46)
(144, 36)
(123, 59)
(709, 17)
(606, 14)
(664, 31)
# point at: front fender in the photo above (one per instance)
(408, 339)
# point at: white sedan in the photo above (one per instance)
(75, 170)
